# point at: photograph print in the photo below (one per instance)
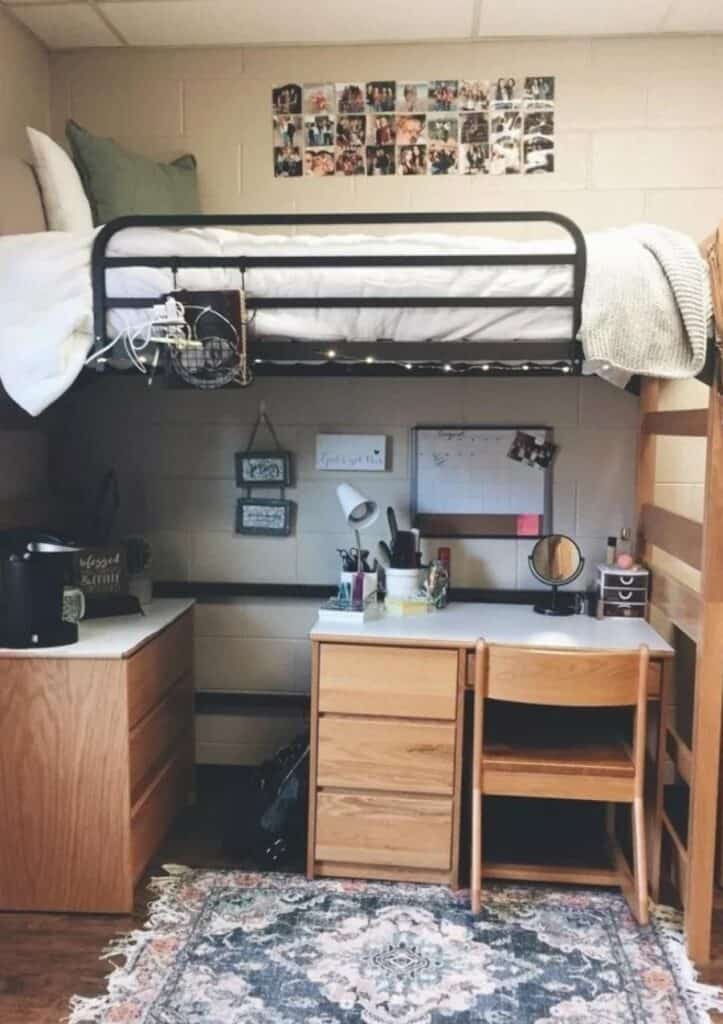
(442, 94)
(286, 99)
(381, 97)
(474, 159)
(411, 129)
(319, 162)
(506, 93)
(474, 128)
(381, 129)
(287, 130)
(442, 128)
(319, 99)
(287, 162)
(412, 97)
(319, 130)
(539, 154)
(350, 98)
(351, 130)
(506, 122)
(350, 161)
(474, 97)
(443, 157)
(504, 155)
(539, 90)
(412, 160)
(380, 161)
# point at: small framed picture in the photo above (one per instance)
(263, 469)
(264, 517)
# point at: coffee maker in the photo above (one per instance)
(34, 568)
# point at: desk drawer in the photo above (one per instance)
(367, 753)
(152, 816)
(400, 682)
(157, 666)
(394, 831)
(153, 739)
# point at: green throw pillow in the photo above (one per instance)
(119, 182)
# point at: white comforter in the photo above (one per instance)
(45, 294)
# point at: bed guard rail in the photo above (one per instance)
(384, 357)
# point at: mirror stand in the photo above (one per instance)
(556, 560)
(554, 606)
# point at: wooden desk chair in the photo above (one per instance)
(597, 766)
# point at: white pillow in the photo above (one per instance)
(66, 204)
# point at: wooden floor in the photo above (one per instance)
(47, 958)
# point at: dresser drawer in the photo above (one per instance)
(394, 831)
(151, 817)
(363, 753)
(153, 738)
(157, 666)
(401, 682)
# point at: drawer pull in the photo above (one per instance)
(625, 595)
(627, 581)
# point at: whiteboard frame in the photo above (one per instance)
(545, 431)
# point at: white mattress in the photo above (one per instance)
(636, 277)
(403, 324)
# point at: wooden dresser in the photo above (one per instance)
(96, 758)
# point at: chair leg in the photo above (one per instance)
(640, 861)
(476, 865)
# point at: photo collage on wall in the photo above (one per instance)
(437, 127)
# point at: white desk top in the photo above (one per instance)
(116, 637)
(463, 624)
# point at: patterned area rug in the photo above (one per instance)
(225, 947)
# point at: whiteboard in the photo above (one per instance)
(466, 471)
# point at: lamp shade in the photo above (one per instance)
(359, 511)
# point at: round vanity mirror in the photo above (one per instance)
(556, 560)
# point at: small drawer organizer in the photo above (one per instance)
(622, 593)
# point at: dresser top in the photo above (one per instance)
(117, 637)
(462, 624)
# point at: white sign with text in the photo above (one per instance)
(351, 452)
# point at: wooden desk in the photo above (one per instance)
(387, 719)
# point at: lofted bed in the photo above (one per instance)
(549, 345)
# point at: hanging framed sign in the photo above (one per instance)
(269, 517)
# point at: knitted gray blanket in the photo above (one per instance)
(647, 304)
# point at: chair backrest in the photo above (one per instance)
(566, 678)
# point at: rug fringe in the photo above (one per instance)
(701, 998)
(163, 915)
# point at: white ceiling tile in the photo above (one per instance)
(212, 22)
(65, 26)
(695, 16)
(570, 17)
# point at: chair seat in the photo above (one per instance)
(558, 741)
(599, 759)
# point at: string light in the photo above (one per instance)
(499, 368)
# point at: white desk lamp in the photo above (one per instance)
(359, 512)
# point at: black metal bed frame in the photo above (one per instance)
(381, 358)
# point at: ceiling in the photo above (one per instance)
(67, 24)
